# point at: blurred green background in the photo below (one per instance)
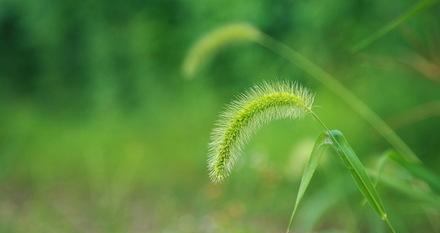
(100, 132)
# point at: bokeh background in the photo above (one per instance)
(100, 132)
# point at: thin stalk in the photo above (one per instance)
(416, 8)
(337, 88)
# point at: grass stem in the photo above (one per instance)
(416, 8)
(338, 89)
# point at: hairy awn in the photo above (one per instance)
(258, 106)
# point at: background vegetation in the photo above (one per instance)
(100, 132)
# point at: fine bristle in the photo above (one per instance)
(258, 106)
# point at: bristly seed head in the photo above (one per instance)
(215, 40)
(260, 105)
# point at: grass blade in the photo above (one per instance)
(402, 184)
(416, 8)
(418, 171)
(382, 161)
(320, 203)
(402, 187)
(312, 164)
(268, 102)
(359, 174)
(337, 141)
(384, 158)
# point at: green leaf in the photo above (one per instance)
(359, 173)
(318, 204)
(312, 164)
(418, 171)
(429, 198)
(416, 8)
(402, 184)
(336, 140)
(382, 161)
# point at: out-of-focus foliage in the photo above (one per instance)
(100, 132)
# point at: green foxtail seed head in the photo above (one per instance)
(215, 40)
(260, 105)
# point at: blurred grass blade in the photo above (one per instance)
(359, 174)
(402, 187)
(320, 203)
(416, 8)
(312, 164)
(417, 170)
(383, 159)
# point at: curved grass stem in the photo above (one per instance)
(338, 89)
(416, 8)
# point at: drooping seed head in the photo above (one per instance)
(260, 105)
(215, 40)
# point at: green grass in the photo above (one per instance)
(99, 131)
(393, 24)
(305, 64)
(276, 101)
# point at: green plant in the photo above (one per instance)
(268, 102)
(412, 173)
(240, 32)
(207, 45)
(416, 8)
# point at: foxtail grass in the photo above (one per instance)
(213, 41)
(262, 104)
(208, 45)
(266, 103)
